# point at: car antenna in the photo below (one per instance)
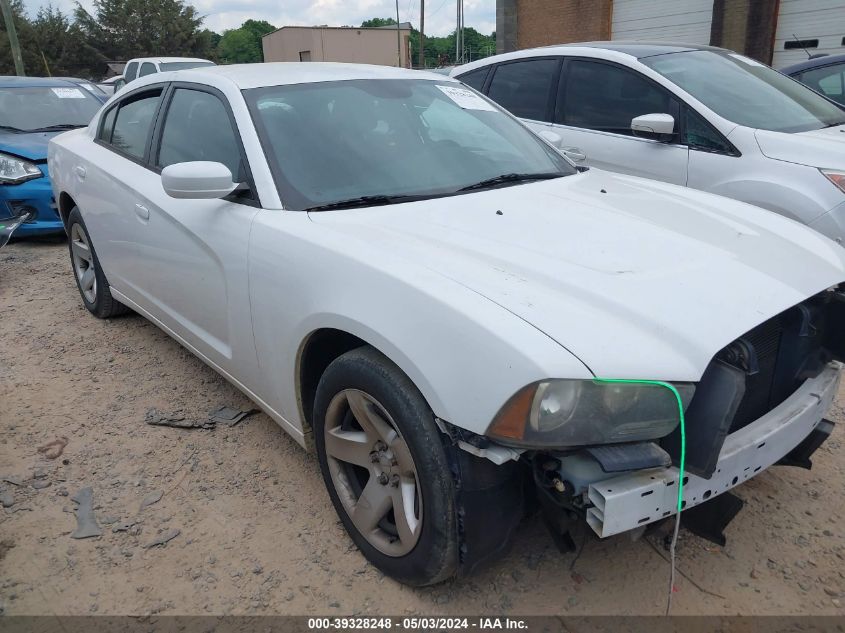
(801, 44)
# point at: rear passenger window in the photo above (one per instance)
(524, 88)
(133, 123)
(130, 72)
(603, 97)
(147, 68)
(107, 126)
(197, 127)
(475, 79)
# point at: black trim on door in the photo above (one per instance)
(682, 127)
(158, 129)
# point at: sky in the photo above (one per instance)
(229, 14)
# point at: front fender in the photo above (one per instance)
(466, 354)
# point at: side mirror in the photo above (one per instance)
(658, 126)
(198, 180)
(552, 138)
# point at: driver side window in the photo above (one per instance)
(197, 127)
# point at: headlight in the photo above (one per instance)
(14, 170)
(836, 177)
(568, 413)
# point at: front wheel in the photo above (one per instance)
(385, 468)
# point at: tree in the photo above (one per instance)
(122, 29)
(237, 46)
(374, 22)
(440, 51)
(243, 44)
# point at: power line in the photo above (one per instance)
(442, 4)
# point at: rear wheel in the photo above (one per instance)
(90, 279)
(385, 468)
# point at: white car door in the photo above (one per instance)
(192, 254)
(596, 101)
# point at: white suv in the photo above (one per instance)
(143, 66)
(698, 116)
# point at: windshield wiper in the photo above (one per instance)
(369, 201)
(60, 126)
(11, 128)
(511, 178)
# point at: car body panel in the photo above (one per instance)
(557, 258)
(758, 175)
(641, 280)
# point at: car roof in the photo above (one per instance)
(167, 60)
(816, 62)
(620, 50)
(246, 76)
(33, 82)
(641, 49)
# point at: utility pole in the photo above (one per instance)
(398, 38)
(422, 33)
(13, 37)
(458, 33)
(463, 44)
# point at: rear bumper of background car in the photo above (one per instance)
(35, 196)
(638, 498)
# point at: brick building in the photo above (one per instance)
(776, 32)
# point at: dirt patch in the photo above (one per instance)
(244, 525)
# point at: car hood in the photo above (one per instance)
(823, 148)
(638, 279)
(32, 145)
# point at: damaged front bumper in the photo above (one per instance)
(634, 499)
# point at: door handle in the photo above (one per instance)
(142, 211)
(574, 153)
(80, 172)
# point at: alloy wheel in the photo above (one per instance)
(373, 472)
(83, 263)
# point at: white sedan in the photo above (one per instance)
(440, 305)
(691, 115)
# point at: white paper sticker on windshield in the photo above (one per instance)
(747, 60)
(68, 93)
(466, 98)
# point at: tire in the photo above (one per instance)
(396, 453)
(90, 279)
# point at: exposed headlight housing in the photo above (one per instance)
(14, 170)
(570, 413)
(836, 177)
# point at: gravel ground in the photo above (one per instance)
(256, 530)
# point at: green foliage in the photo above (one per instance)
(238, 47)
(375, 22)
(243, 45)
(116, 30)
(440, 51)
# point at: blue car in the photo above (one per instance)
(32, 111)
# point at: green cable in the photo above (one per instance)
(682, 464)
(677, 395)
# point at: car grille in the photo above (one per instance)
(760, 397)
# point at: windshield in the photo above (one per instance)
(333, 141)
(746, 92)
(33, 109)
(183, 65)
